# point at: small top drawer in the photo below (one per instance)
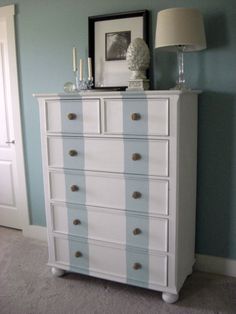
(73, 116)
(143, 116)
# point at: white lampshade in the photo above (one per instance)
(180, 27)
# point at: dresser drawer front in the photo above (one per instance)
(93, 258)
(111, 225)
(114, 261)
(111, 155)
(73, 116)
(112, 191)
(147, 116)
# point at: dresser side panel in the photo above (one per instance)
(46, 180)
(186, 183)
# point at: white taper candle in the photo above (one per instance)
(81, 69)
(74, 58)
(89, 69)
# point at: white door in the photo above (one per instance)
(13, 200)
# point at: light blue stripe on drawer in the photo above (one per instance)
(138, 277)
(135, 106)
(73, 146)
(136, 147)
(76, 196)
(131, 147)
(142, 186)
(75, 227)
(83, 260)
(137, 223)
(78, 180)
(75, 108)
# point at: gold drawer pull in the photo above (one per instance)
(136, 156)
(71, 116)
(78, 254)
(76, 222)
(137, 266)
(73, 153)
(136, 195)
(135, 116)
(137, 231)
(74, 188)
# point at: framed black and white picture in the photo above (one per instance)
(116, 45)
(109, 39)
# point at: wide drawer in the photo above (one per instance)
(143, 116)
(134, 193)
(73, 116)
(136, 156)
(95, 259)
(111, 225)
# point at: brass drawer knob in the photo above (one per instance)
(76, 222)
(71, 116)
(78, 254)
(137, 231)
(73, 153)
(136, 156)
(137, 266)
(74, 188)
(135, 116)
(136, 195)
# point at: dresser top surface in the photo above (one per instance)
(106, 93)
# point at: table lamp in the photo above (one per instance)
(180, 30)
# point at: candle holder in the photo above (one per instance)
(82, 84)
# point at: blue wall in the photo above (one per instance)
(47, 31)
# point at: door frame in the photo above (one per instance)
(7, 15)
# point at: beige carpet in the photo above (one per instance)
(27, 287)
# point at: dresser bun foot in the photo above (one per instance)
(57, 272)
(170, 297)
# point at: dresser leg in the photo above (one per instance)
(57, 272)
(170, 297)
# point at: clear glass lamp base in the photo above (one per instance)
(180, 86)
(180, 83)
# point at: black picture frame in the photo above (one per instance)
(113, 74)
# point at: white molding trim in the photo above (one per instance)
(217, 265)
(7, 15)
(8, 10)
(35, 232)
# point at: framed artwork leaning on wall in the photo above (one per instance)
(109, 38)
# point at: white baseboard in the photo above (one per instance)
(35, 232)
(217, 265)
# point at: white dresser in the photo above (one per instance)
(120, 185)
